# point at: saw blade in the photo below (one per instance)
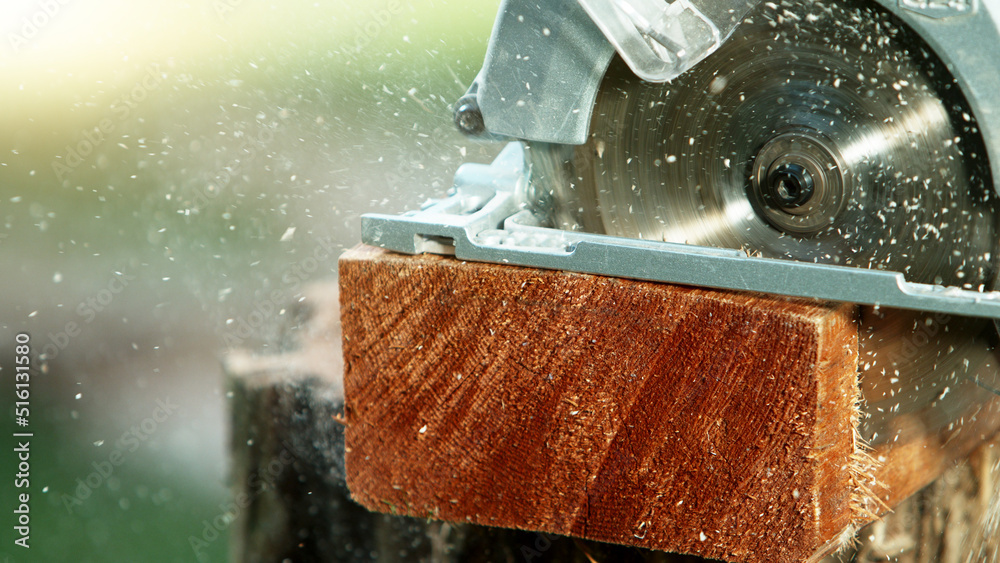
(820, 132)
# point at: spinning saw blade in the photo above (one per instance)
(820, 132)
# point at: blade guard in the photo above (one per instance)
(658, 40)
(545, 60)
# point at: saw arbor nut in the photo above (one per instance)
(791, 185)
(802, 162)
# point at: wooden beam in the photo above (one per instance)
(680, 419)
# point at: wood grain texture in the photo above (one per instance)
(680, 419)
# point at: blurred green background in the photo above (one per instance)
(164, 167)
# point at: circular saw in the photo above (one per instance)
(823, 133)
(842, 150)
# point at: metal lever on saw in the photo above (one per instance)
(660, 40)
